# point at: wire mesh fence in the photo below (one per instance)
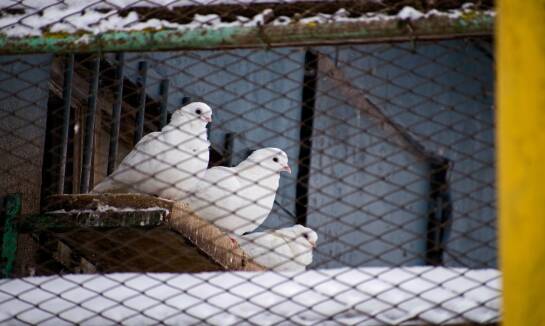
(250, 172)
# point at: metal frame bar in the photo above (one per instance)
(67, 96)
(229, 148)
(90, 118)
(472, 23)
(12, 208)
(116, 113)
(163, 89)
(140, 114)
(308, 102)
(521, 140)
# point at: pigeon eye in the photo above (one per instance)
(275, 159)
(198, 111)
(305, 235)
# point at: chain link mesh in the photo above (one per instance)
(346, 182)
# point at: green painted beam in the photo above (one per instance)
(472, 23)
(12, 208)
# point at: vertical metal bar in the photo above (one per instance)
(439, 212)
(12, 208)
(164, 102)
(521, 140)
(228, 147)
(139, 123)
(116, 113)
(305, 136)
(66, 96)
(90, 117)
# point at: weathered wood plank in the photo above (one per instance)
(67, 257)
(91, 201)
(73, 214)
(208, 238)
(140, 250)
(62, 219)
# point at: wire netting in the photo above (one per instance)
(349, 183)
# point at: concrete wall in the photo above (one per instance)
(369, 196)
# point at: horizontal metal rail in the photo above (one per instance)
(475, 23)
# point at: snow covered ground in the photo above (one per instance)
(362, 296)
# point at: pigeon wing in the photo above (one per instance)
(268, 248)
(114, 183)
(216, 199)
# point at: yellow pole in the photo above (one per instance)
(521, 159)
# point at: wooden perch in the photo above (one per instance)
(64, 256)
(81, 202)
(82, 215)
(358, 99)
(211, 240)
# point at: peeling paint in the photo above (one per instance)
(471, 23)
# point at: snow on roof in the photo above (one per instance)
(115, 4)
(35, 17)
(362, 296)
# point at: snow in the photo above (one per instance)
(107, 208)
(409, 13)
(348, 296)
(114, 4)
(78, 16)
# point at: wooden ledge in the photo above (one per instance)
(79, 213)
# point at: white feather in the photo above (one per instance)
(240, 198)
(169, 163)
(287, 249)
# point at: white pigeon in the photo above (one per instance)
(238, 199)
(167, 163)
(287, 249)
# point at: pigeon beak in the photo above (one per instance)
(286, 168)
(206, 118)
(312, 243)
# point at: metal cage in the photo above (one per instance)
(383, 110)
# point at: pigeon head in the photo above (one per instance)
(302, 241)
(194, 111)
(272, 159)
(305, 233)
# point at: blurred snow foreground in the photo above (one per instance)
(353, 296)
